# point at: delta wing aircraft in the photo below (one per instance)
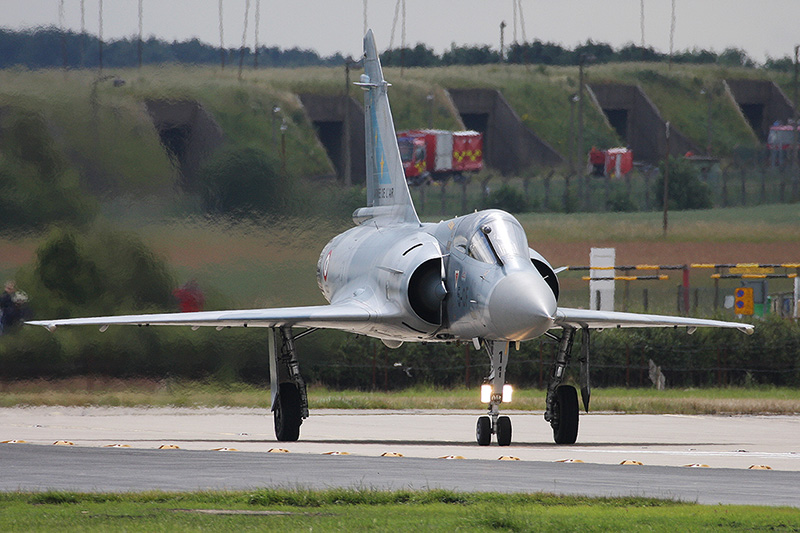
(470, 279)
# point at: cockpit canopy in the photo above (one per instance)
(495, 238)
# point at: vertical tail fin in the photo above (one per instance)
(388, 196)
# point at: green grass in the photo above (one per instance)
(143, 393)
(370, 510)
(773, 223)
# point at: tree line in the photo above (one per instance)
(50, 47)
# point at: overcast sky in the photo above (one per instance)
(762, 28)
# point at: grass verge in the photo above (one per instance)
(360, 510)
(165, 393)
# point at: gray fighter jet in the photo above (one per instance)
(469, 279)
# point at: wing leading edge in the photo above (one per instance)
(345, 316)
(566, 316)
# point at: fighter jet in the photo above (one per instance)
(469, 279)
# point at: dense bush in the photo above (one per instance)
(686, 191)
(507, 198)
(619, 357)
(100, 273)
(38, 187)
(244, 180)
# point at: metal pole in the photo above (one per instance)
(584, 194)
(794, 128)
(348, 170)
(139, 43)
(666, 186)
(502, 31)
(100, 38)
(572, 99)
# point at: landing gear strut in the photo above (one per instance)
(562, 400)
(288, 390)
(494, 423)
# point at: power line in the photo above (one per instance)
(258, 19)
(514, 3)
(394, 23)
(100, 36)
(244, 37)
(522, 23)
(641, 19)
(221, 38)
(672, 34)
(139, 44)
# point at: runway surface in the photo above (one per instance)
(663, 443)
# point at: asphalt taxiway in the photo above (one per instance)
(346, 449)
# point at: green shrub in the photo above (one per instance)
(686, 191)
(38, 187)
(507, 198)
(245, 180)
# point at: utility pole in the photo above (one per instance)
(795, 176)
(666, 185)
(502, 31)
(100, 38)
(572, 99)
(708, 93)
(584, 187)
(221, 39)
(348, 167)
(139, 42)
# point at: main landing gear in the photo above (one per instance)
(288, 390)
(494, 423)
(562, 400)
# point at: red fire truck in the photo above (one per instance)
(439, 154)
(780, 142)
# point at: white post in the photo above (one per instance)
(605, 258)
(797, 297)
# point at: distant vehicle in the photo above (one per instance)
(439, 154)
(779, 142)
(614, 162)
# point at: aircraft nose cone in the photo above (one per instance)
(521, 307)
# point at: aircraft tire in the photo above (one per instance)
(287, 414)
(565, 421)
(483, 431)
(503, 431)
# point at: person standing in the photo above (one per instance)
(7, 306)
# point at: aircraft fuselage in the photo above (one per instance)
(468, 277)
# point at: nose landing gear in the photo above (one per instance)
(493, 423)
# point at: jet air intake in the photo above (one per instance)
(426, 291)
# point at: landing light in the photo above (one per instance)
(486, 393)
(507, 392)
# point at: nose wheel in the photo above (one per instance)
(502, 429)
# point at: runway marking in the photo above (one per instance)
(737, 453)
